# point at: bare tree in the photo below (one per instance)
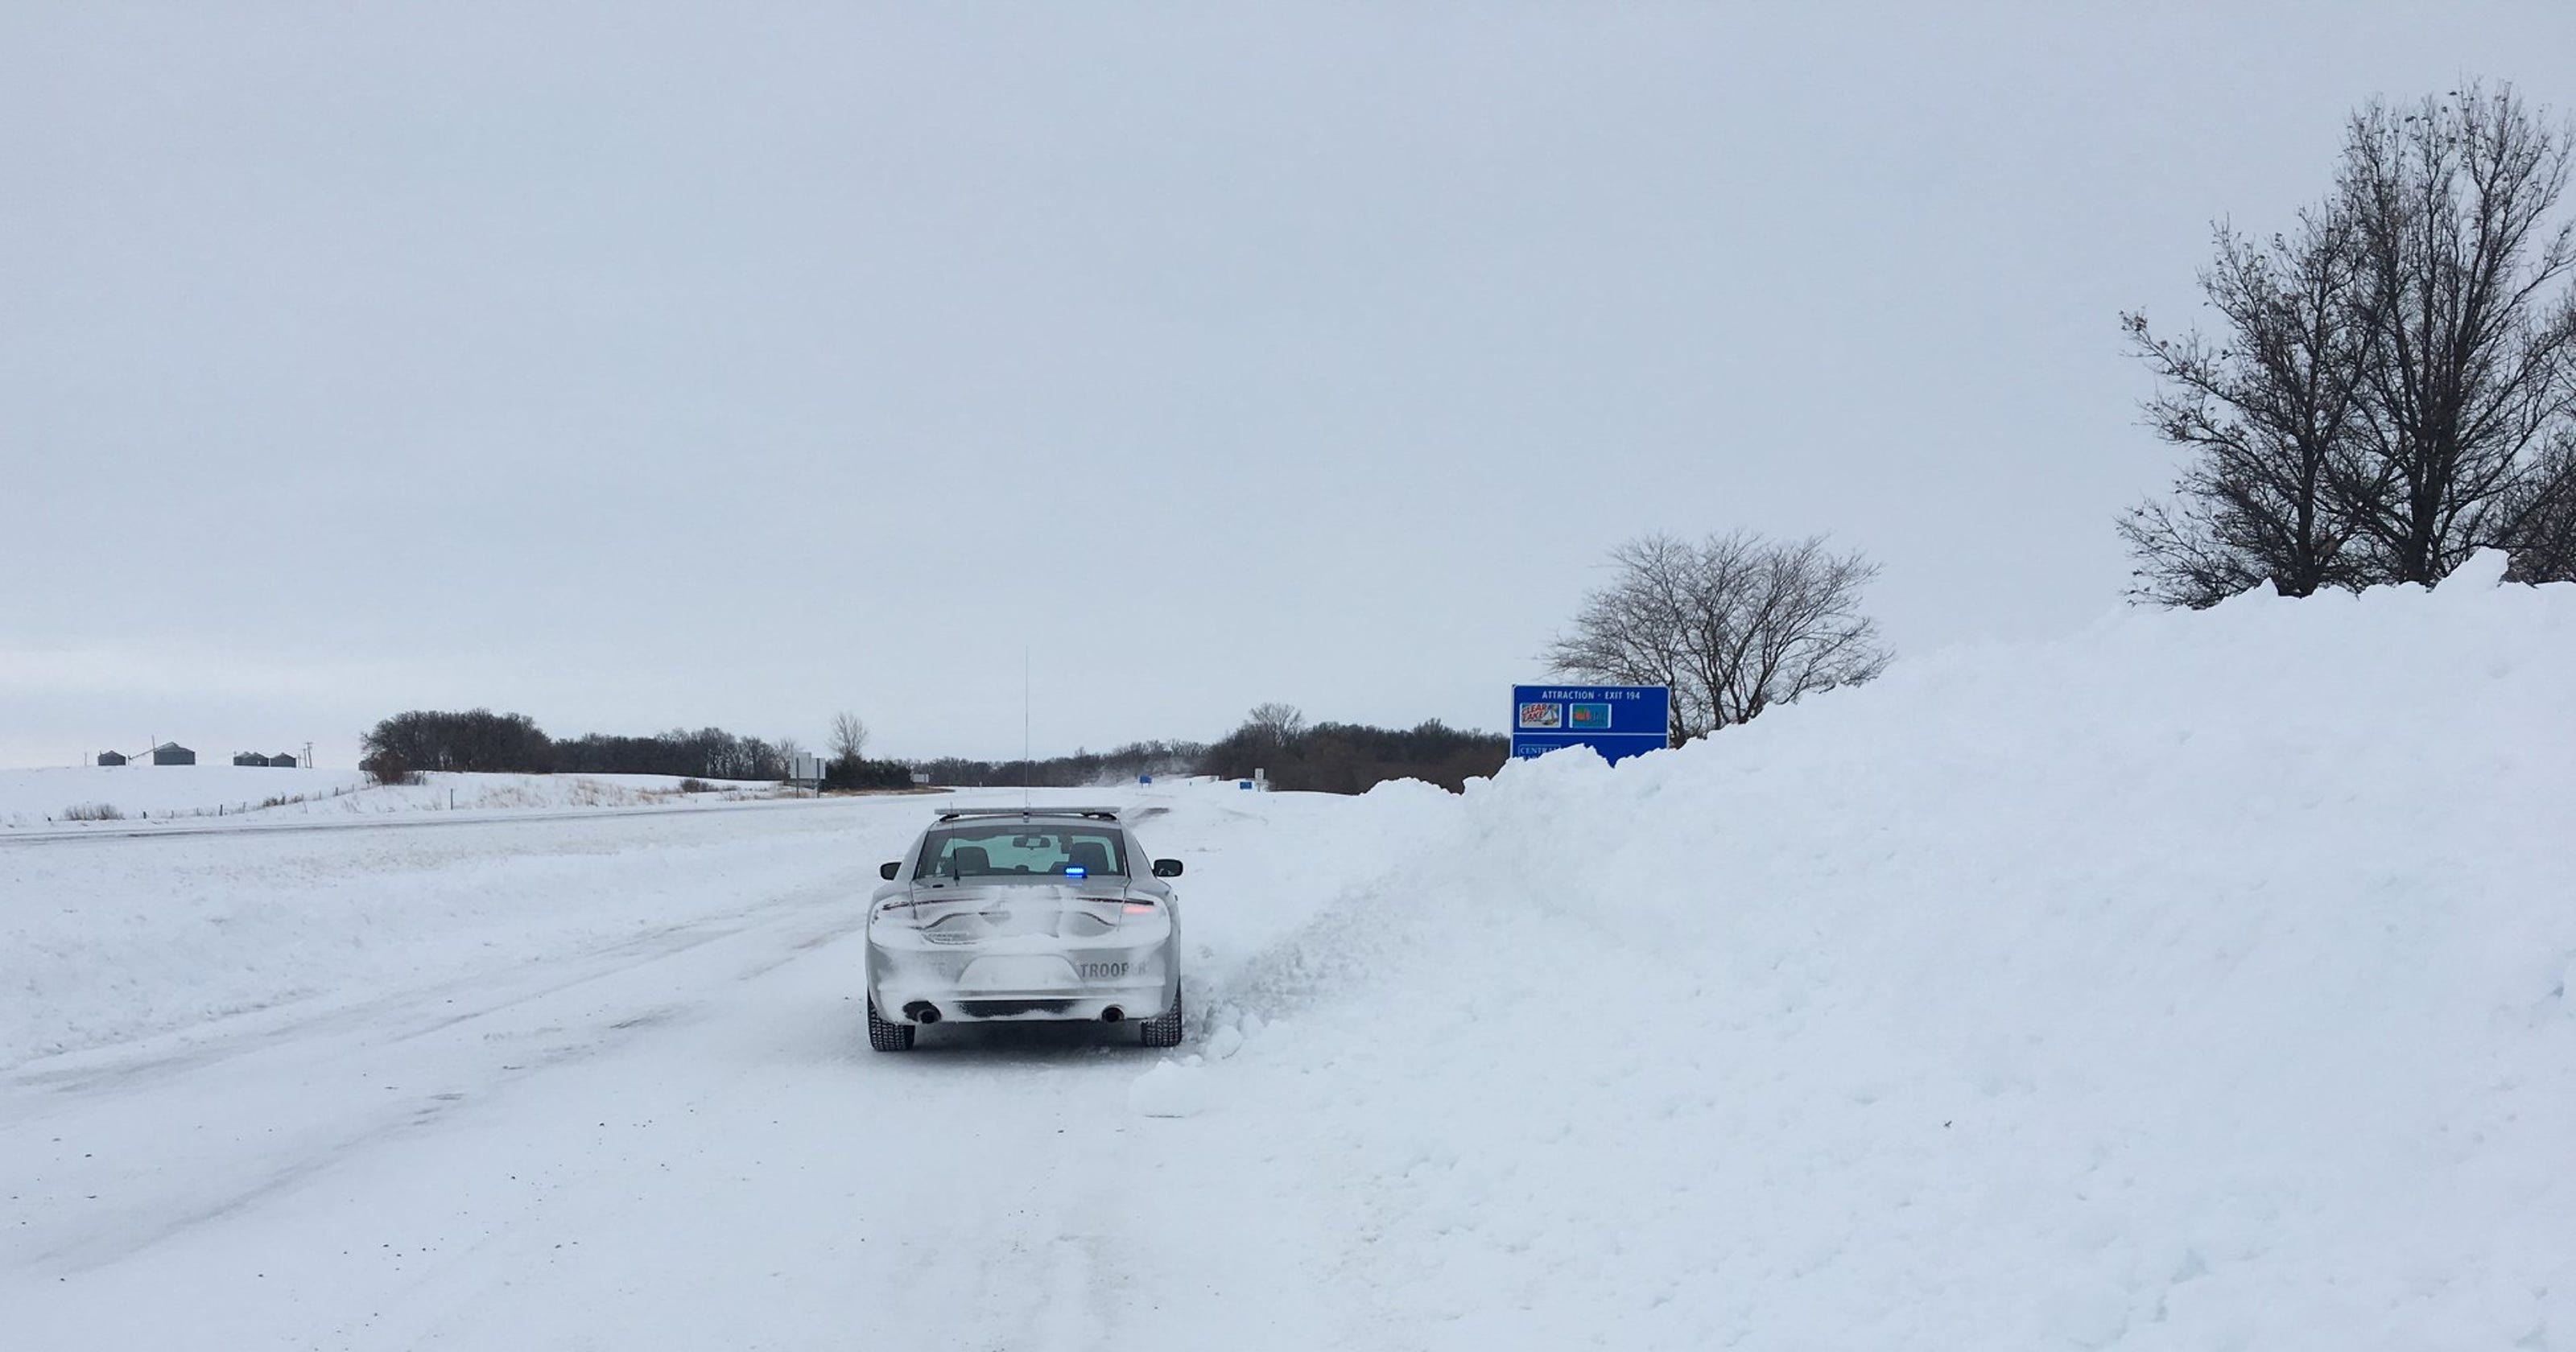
(1281, 723)
(849, 738)
(2475, 372)
(1637, 630)
(1734, 624)
(2544, 516)
(2397, 381)
(1803, 631)
(1268, 735)
(2269, 413)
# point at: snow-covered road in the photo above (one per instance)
(677, 1138)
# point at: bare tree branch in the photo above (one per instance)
(1734, 625)
(2476, 373)
(2393, 372)
(849, 738)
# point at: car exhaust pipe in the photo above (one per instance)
(1112, 1014)
(921, 1011)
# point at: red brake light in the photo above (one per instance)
(1140, 908)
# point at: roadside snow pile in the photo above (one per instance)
(134, 796)
(2199, 981)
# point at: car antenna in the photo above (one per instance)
(1028, 767)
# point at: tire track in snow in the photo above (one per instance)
(422, 1011)
(356, 1045)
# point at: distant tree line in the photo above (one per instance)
(401, 747)
(861, 773)
(1275, 739)
(708, 753)
(435, 739)
(2393, 385)
(1351, 757)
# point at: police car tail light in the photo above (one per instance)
(1141, 908)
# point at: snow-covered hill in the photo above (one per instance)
(2196, 981)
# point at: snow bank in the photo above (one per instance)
(2198, 981)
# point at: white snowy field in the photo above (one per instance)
(154, 797)
(2198, 981)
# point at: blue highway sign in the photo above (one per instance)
(1618, 721)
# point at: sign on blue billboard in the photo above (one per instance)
(1618, 721)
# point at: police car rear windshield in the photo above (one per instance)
(1005, 850)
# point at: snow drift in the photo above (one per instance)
(2199, 981)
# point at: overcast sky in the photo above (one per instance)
(634, 366)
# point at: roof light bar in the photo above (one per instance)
(950, 814)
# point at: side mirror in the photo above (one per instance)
(888, 869)
(1167, 868)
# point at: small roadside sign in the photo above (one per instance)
(805, 770)
(1617, 721)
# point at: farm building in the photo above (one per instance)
(171, 753)
(111, 758)
(284, 760)
(249, 758)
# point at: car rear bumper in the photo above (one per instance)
(911, 986)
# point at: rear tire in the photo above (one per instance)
(886, 1036)
(1164, 1029)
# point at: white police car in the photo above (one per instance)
(1018, 914)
